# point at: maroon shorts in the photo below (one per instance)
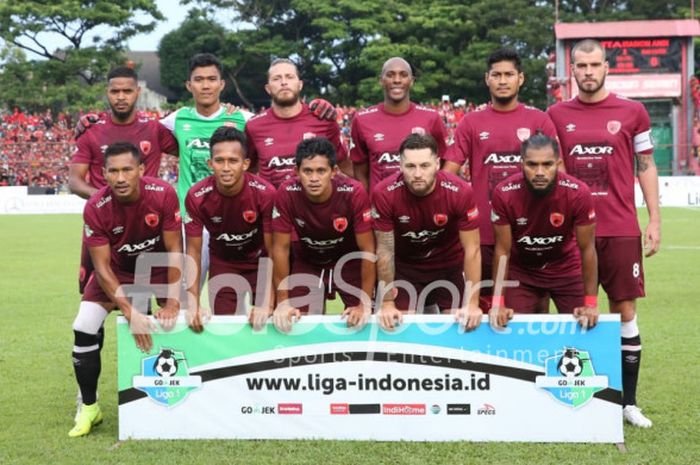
(94, 293)
(446, 298)
(227, 296)
(620, 268)
(528, 297)
(86, 267)
(325, 285)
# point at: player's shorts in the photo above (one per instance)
(94, 293)
(446, 298)
(486, 293)
(620, 268)
(230, 298)
(86, 267)
(566, 291)
(325, 285)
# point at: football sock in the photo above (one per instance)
(631, 358)
(87, 365)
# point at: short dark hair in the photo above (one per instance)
(120, 148)
(417, 142)
(122, 72)
(539, 141)
(505, 54)
(587, 46)
(200, 60)
(228, 134)
(316, 146)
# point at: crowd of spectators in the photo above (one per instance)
(35, 148)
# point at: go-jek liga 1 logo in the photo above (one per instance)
(570, 377)
(165, 377)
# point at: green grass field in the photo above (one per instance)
(39, 298)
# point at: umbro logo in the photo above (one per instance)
(379, 137)
(118, 230)
(484, 135)
(571, 127)
(300, 222)
(269, 141)
(216, 219)
(187, 127)
(404, 219)
(522, 221)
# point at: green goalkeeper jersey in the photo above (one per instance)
(193, 132)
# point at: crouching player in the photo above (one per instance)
(544, 223)
(330, 215)
(129, 216)
(235, 207)
(427, 229)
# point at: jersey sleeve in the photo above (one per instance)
(281, 213)
(362, 210)
(584, 210)
(499, 214)
(468, 211)
(94, 234)
(266, 204)
(193, 220)
(459, 150)
(169, 121)
(358, 150)
(439, 132)
(166, 140)
(83, 152)
(334, 136)
(172, 220)
(643, 142)
(382, 214)
(547, 127)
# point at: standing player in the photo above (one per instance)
(426, 224)
(130, 216)
(488, 140)
(122, 123)
(601, 135)
(330, 214)
(378, 131)
(274, 134)
(235, 207)
(542, 220)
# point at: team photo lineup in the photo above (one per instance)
(274, 217)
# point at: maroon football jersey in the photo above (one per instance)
(376, 136)
(236, 224)
(272, 141)
(426, 229)
(490, 141)
(543, 227)
(326, 230)
(599, 142)
(151, 137)
(131, 229)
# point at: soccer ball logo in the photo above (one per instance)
(166, 364)
(570, 364)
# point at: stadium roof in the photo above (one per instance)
(649, 28)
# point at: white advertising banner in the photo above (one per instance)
(674, 191)
(15, 200)
(542, 379)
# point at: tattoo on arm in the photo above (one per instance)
(644, 162)
(385, 256)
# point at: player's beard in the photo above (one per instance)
(541, 192)
(504, 101)
(596, 88)
(286, 102)
(122, 115)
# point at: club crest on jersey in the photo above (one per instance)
(614, 126)
(523, 134)
(440, 219)
(145, 146)
(418, 130)
(152, 219)
(250, 216)
(557, 219)
(340, 224)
